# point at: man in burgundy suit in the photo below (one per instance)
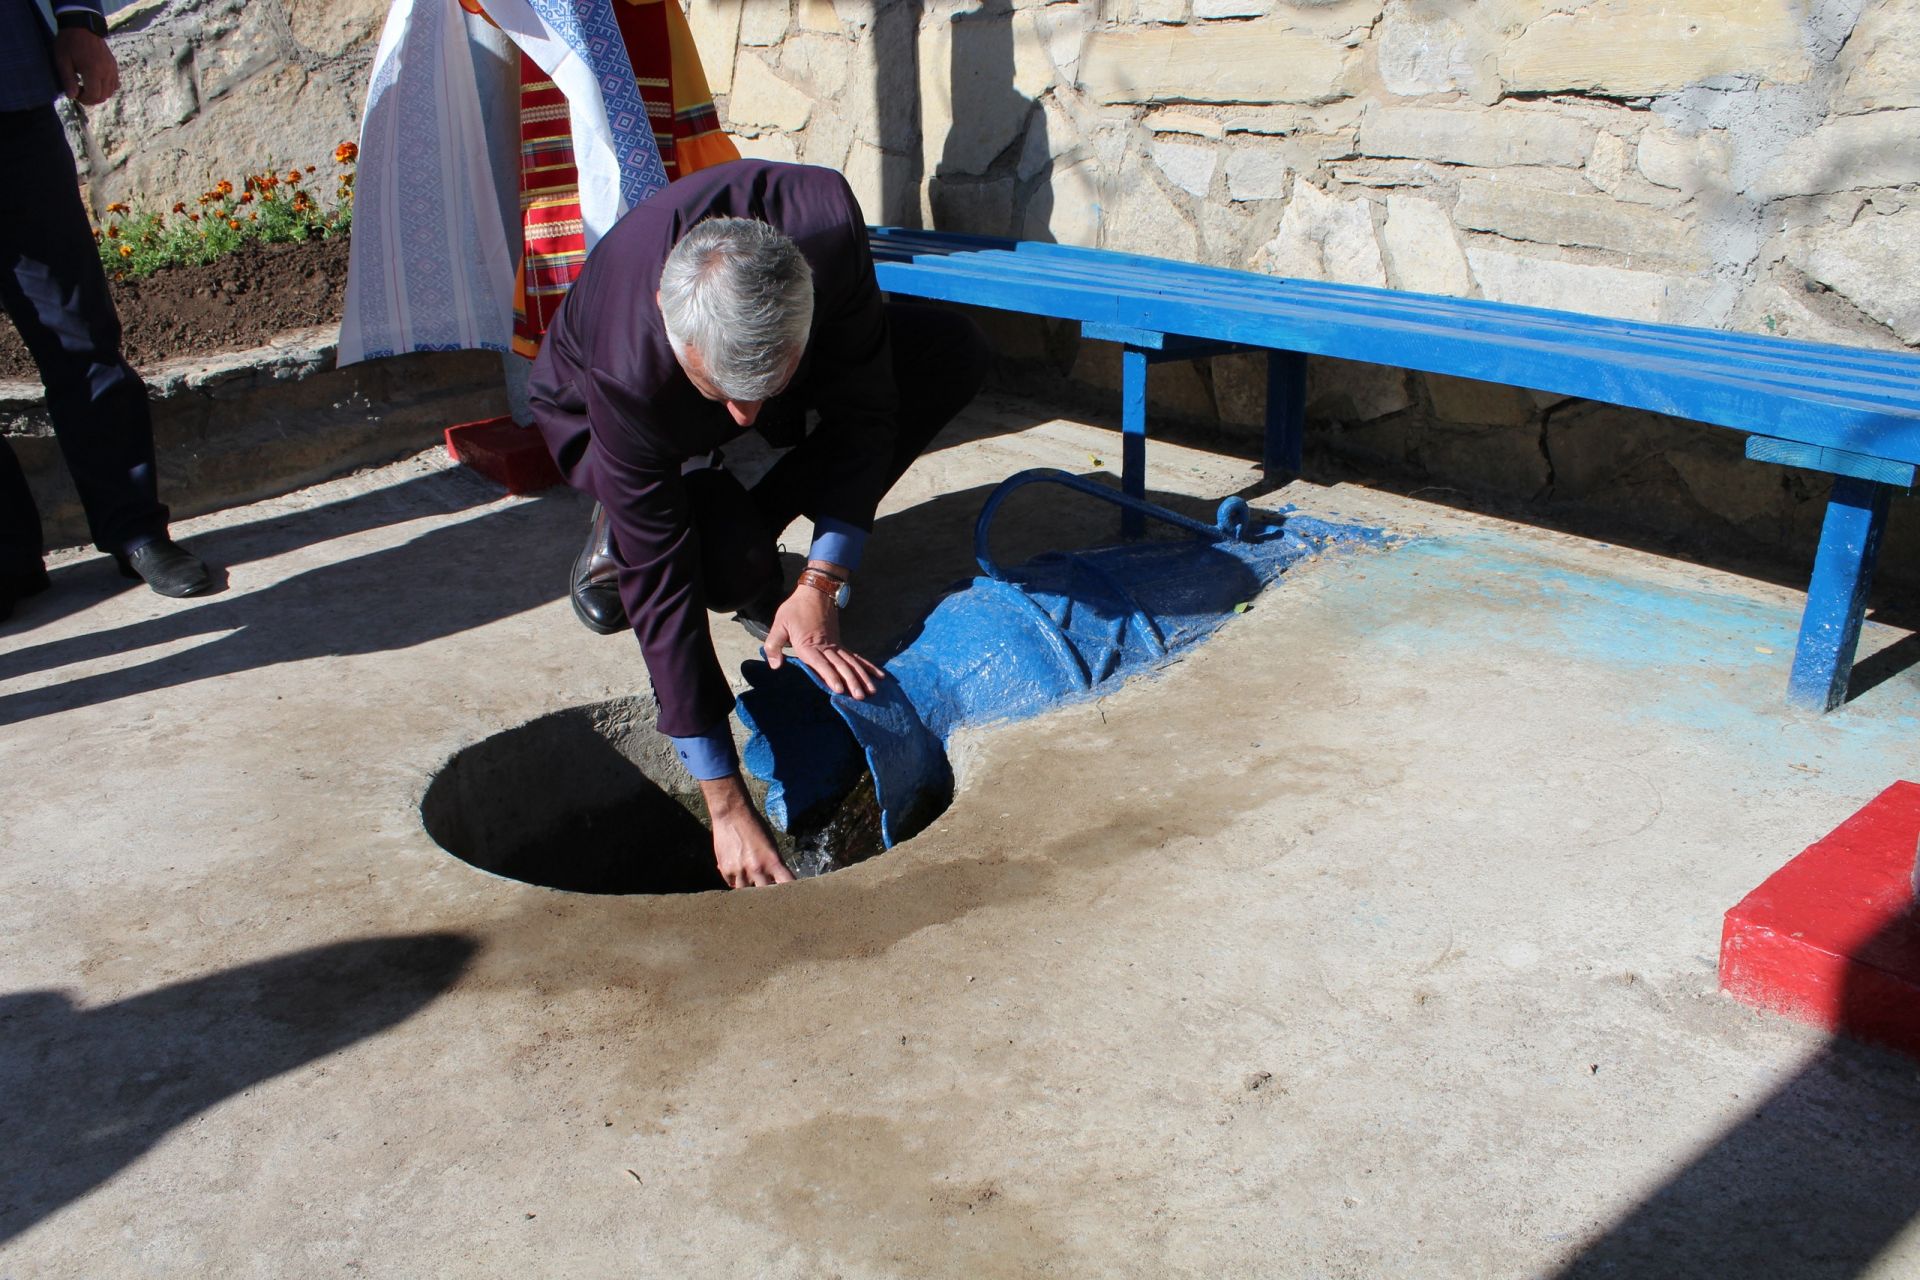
(742, 296)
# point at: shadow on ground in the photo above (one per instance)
(88, 1091)
(1814, 1183)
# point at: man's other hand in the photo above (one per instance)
(809, 624)
(743, 848)
(88, 73)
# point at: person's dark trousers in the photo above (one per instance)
(939, 361)
(52, 285)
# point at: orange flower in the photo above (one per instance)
(223, 188)
(113, 232)
(126, 251)
(96, 233)
(309, 168)
(346, 153)
(118, 206)
(246, 197)
(253, 217)
(193, 217)
(233, 223)
(180, 206)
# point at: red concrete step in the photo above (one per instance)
(1833, 938)
(510, 455)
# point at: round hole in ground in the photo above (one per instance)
(591, 799)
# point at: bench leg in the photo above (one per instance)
(1133, 437)
(1286, 412)
(1837, 595)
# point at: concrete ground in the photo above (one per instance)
(1375, 938)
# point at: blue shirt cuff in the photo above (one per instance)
(838, 542)
(708, 756)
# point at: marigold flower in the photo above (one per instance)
(233, 223)
(126, 251)
(246, 197)
(223, 188)
(193, 217)
(346, 153)
(179, 206)
(96, 233)
(113, 232)
(253, 217)
(118, 206)
(293, 176)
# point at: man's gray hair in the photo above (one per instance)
(739, 293)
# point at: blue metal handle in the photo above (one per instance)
(1233, 520)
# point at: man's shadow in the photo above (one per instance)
(1814, 1183)
(88, 1091)
(448, 580)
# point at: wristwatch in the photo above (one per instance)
(836, 589)
(87, 18)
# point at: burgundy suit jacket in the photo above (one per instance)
(620, 417)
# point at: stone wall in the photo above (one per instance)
(1743, 164)
(221, 88)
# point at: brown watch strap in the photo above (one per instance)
(825, 583)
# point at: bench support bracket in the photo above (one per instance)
(1837, 594)
(1286, 413)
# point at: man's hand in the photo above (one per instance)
(809, 623)
(88, 73)
(742, 846)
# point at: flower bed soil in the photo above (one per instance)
(241, 301)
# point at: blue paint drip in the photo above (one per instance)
(1004, 647)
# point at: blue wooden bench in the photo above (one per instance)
(1854, 414)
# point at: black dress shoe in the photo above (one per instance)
(757, 614)
(167, 567)
(18, 586)
(594, 585)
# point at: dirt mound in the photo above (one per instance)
(240, 301)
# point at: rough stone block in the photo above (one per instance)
(1184, 122)
(1188, 165)
(1490, 139)
(1067, 208)
(1880, 63)
(1422, 250)
(818, 15)
(1205, 9)
(1488, 404)
(1791, 312)
(1689, 164)
(1177, 387)
(816, 63)
(1324, 238)
(1600, 222)
(762, 100)
(1871, 263)
(764, 22)
(1268, 61)
(1423, 49)
(768, 146)
(1640, 48)
(1147, 220)
(1355, 392)
(977, 207)
(716, 34)
(1846, 153)
(1258, 172)
(1500, 460)
(1588, 288)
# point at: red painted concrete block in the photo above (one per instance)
(506, 453)
(1833, 937)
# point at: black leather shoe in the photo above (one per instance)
(18, 586)
(166, 566)
(757, 614)
(594, 585)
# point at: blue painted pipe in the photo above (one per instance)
(1012, 644)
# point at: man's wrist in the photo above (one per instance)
(81, 18)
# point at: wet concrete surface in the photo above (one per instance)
(1375, 938)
